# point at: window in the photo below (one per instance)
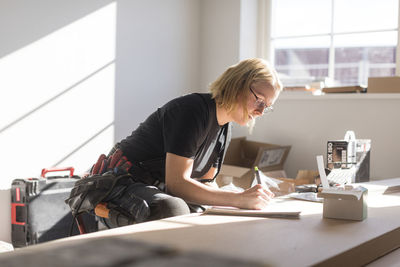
(340, 42)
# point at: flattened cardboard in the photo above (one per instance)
(345, 89)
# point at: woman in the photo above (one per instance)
(175, 153)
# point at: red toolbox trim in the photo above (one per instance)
(14, 213)
(56, 169)
(17, 194)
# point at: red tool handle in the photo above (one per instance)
(14, 213)
(46, 170)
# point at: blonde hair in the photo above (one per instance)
(237, 79)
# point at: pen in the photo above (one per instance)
(257, 175)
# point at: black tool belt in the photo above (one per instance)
(124, 208)
(87, 193)
(151, 172)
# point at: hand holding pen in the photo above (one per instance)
(256, 197)
(263, 179)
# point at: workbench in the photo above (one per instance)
(226, 240)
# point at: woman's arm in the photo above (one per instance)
(179, 183)
(210, 174)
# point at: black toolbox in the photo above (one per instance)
(38, 210)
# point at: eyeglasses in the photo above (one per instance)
(260, 104)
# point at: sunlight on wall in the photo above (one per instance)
(58, 98)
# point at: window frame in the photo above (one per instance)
(266, 20)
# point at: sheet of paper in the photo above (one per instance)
(269, 182)
(308, 196)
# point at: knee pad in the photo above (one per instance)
(172, 206)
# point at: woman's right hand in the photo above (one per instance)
(256, 197)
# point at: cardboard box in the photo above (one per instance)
(345, 204)
(384, 84)
(286, 186)
(340, 154)
(243, 155)
(306, 177)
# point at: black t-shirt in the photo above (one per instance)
(186, 126)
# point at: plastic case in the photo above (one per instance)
(38, 210)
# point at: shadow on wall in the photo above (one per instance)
(58, 72)
(24, 23)
(49, 101)
(57, 63)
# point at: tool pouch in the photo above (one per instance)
(90, 191)
(125, 208)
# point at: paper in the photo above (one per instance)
(270, 182)
(321, 170)
(252, 213)
(308, 196)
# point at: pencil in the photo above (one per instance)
(257, 175)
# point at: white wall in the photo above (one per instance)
(220, 36)
(157, 57)
(228, 35)
(307, 123)
(248, 29)
(59, 62)
(56, 70)
(23, 22)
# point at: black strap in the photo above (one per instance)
(228, 132)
